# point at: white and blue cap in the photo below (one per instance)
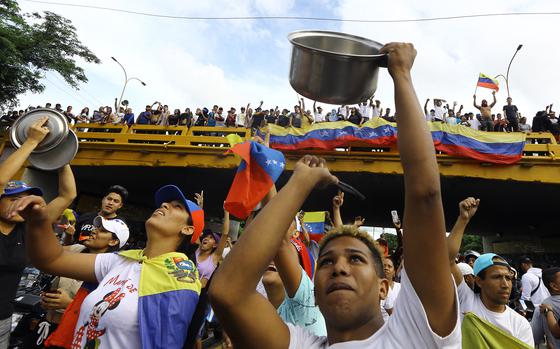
(115, 226)
(486, 261)
(17, 187)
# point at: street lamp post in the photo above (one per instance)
(126, 80)
(509, 66)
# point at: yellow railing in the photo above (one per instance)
(539, 145)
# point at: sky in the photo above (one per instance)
(187, 63)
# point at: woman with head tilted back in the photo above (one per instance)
(145, 298)
(349, 280)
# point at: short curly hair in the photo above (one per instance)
(353, 232)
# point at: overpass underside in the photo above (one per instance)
(516, 200)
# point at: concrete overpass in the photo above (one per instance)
(518, 201)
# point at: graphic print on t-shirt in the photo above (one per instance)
(109, 302)
(181, 269)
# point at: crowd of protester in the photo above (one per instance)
(484, 119)
(274, 287)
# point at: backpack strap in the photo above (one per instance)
(536, 288)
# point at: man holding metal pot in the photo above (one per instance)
(13, 257)
(349, 280)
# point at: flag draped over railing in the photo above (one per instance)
(456, 140)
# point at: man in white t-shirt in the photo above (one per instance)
(532, 286)
(365, 109)
(439, 110)
(349, 280)
(473, 120)
(493, 282)
(376, 109)
(318, 113)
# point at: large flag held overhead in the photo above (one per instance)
(259, 169)
(487, 82)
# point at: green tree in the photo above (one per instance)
(32, 44)
(392, 241)
(471, 242)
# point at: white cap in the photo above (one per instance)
(465, 269)
(115, 226)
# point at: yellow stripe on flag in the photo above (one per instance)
(234, 139)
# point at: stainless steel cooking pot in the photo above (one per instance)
(59, 146)
(334, 68)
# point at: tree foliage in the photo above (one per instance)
(471, 242)
(32, 44)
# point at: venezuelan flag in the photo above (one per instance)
(167, 297)
(329, 135)
(457, 140)
(259, 169)
(494, 147)
(314, 222)
(487, 82)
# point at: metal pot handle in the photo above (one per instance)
(383, 61)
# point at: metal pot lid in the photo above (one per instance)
(57, 157)
(335, 43)
(57, 124)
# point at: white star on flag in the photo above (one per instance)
(268, 162)
(275, 162)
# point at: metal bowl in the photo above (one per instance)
(57, 124)
(58, 156)
(334, 68)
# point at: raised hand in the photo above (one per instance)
(468, 207)
(199, 197)
(401, 58)
(359, 221)
(312, 168)
(30, 208)
(338, 200)
(38, 131)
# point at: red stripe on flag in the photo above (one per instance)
(473, 154)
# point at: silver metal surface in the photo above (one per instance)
(57, 124)
(56, 157)
(334, 68)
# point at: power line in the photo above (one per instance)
(84, 97)
(66, 92)
(301, 18)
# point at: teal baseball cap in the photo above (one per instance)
(486, 261)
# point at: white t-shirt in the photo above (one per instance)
(389, 301)
(529, 282)
(241, 119)
(319, 117)
(375, 111)
(509, 320)
(475, 124)
(109, 314)
(408, 327)
(439, 112)
(365, 110)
